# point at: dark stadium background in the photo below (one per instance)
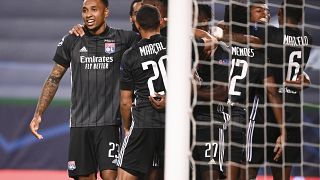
(29, 33)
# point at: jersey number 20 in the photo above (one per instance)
(156, 67)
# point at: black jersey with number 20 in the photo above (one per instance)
(143, 69)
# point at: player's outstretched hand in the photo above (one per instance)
(278, 148)
(77, 30)
(158, 102)
(34, 127)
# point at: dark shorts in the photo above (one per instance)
(263, 152)
(92, 148)
(293, 147)
(141, 150)
(237, 131)
(258, 139)
(208, 151)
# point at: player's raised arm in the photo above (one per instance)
(49, 90)
(210, 41)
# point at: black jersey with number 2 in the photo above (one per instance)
(244, 72)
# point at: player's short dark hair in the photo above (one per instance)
(163, 2)
(293, 9)
(131, 6)
(257, 2)
(205, 10)
(238, 15)
(148, 17)
(105, 2)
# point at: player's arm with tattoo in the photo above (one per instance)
(49, 90)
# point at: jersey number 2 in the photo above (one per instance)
(155, 67)
(235, 78)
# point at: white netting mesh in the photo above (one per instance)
(207, 131)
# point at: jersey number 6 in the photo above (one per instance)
(292, 65)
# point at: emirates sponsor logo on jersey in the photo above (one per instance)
(93, 62)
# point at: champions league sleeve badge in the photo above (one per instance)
(109, 46)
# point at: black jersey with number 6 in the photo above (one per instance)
(288, 53)
(143, 69)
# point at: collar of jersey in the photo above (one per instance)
(87, 32)
(156, 36)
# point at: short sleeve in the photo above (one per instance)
(63, 52)
(307, 49)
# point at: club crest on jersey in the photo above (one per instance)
(71, 165)
(109, 46)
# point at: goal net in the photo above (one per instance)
(234, 115)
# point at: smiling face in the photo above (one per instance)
(94, 13)
(259, 13)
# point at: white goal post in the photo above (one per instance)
(177, 132)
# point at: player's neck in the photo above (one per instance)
(290, 23)
(99, 30)
(148, 34)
